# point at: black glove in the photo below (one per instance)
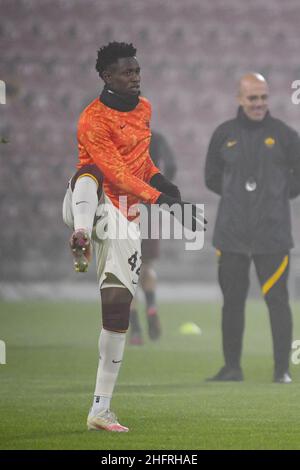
(161, 183)
(189, 215)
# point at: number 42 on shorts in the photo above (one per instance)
(133, 261)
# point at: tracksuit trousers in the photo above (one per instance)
(272, 271)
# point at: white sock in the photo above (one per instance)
(111, 350)
(84, 203)
(100, 403)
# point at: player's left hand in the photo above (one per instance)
(189, 215)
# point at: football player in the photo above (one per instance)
(114, 164)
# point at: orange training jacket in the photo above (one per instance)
(118, 143)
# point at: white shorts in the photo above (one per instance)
(116, 242)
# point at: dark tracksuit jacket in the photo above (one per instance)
(267, 154)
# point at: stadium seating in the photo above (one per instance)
(192, 54)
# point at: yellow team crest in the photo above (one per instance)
(269, 141)
(231, 143)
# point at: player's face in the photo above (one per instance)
(253, 98)
(124, 76)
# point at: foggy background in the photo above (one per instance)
(191, 53)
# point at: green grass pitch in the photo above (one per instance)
(47, 385)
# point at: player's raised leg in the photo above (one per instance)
(86, 186)
(84, 204)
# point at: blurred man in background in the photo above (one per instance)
(253, 163)
(163, 157)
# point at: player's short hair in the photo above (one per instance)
(109, 54)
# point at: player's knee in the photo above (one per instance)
(89, 170)
(115, 308)
(115, 317)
